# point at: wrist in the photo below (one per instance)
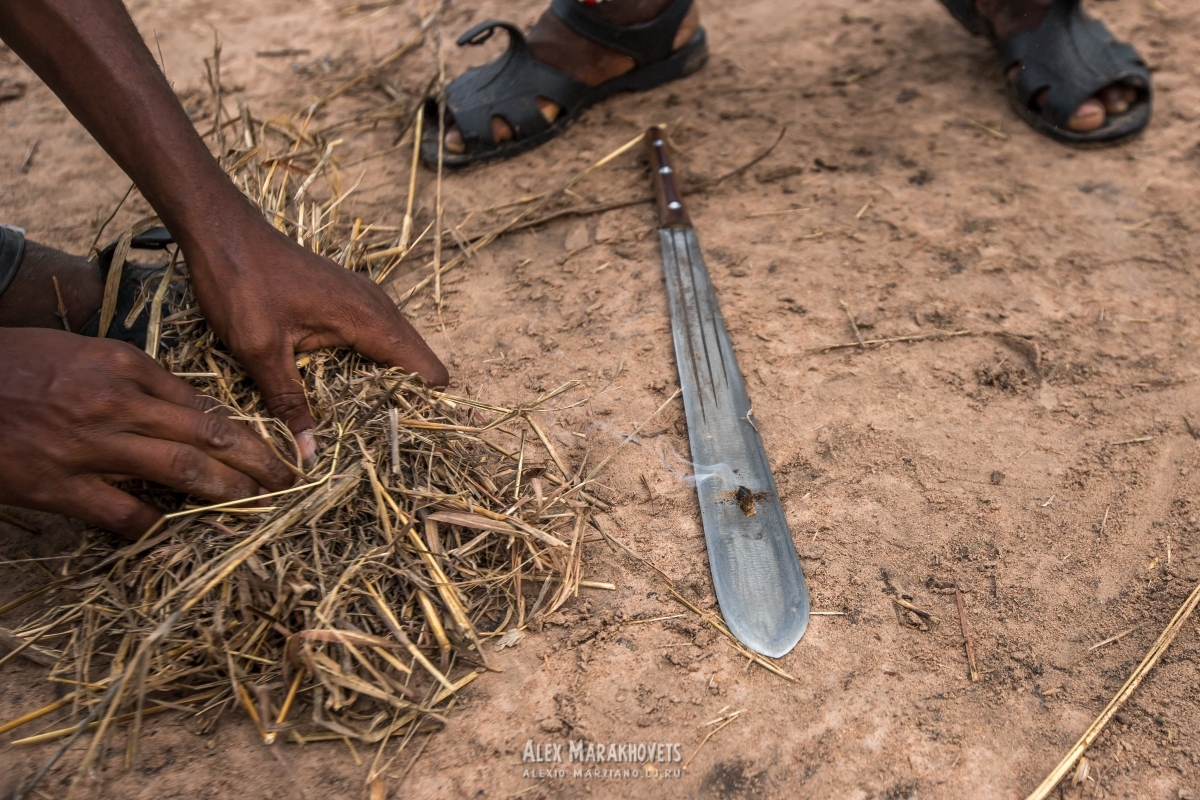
(214, 227)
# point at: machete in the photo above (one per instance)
(755, 570)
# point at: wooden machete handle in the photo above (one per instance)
(671, 213)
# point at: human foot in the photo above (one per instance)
(553, 42)
(1009, 17)
(32, 301)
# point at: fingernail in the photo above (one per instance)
(307, 445)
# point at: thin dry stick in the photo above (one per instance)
(600, 208)
(596, 470)
(1143, 669)
(853, 325)
(395, 55)
(438, 208)
(962, 621)
(25, 647)
(108, 307)
(917, 338)
(492, 235)
(32, 716)
(154, 327)
(1116, 638)
(406, 228)
(704, 741)
(920, 612)
(992, 132)
(100, 232)
(62, 307)
(97, 710)
(715, 622)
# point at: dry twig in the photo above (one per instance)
(1143, 669)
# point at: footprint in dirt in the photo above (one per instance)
(729, 779)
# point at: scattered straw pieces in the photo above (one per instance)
(972, 668)
(870, 342)
(779, 212)
(730, 718)
(1143, 669)
(920, 612)
(654, 619)
(1118, 637)
(998, 135)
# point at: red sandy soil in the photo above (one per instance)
(986, 461)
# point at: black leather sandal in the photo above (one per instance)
(138, 284)
(510, 86)
(1074, 57)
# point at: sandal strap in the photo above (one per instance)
(968, 16)
(507, 87)
(1072, 56)
(645, 42)
(134, 277)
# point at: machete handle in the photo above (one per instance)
(671, 213)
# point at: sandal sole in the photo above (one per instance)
(1115, 130)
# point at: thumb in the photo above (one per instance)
(283, 391)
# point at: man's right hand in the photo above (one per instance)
(79, 414)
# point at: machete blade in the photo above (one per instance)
(755, 569)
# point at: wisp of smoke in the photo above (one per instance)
(691, 474)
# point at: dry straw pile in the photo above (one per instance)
(359, 603)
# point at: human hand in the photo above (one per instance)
(269, 298)
(78, 414)
(264, 295)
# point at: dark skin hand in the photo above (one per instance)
(80, 414)
(264, 295)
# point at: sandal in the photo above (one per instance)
(510, 86)
(131, 322)
(1072, 56)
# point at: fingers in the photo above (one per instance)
(218, 437)
(160, 383)
(283, 391)
(97, 503)
(392, 340)
(179, 466)
(189, 416)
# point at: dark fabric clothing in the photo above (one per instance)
(12, 252)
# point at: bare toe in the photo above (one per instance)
(549, 110)
(501, 130)
(1117, 98)
(1088, 117)
(455, 142)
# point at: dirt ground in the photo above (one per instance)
(1045, 463)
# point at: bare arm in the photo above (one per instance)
(91, 55)
(265, 296)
